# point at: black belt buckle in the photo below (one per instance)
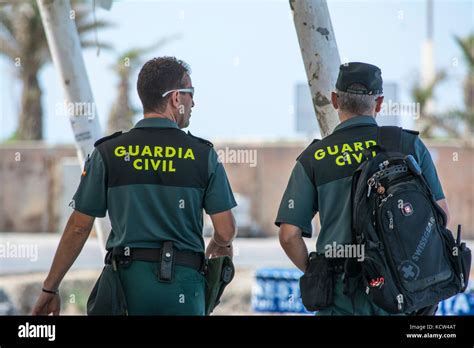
(166, 262)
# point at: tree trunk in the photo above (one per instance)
(30, 125)
(66, 52)
(320, 56)
(469, 100)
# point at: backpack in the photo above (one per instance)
(411, 259)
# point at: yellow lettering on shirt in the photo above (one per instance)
(154, 158)
(319, 154)
(189, 154)
(340, 161)
(120, 151)
(135, 164)
(348, 153)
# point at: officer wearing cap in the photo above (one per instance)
(326, 189)
(154, 181)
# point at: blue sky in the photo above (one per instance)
(246, 60)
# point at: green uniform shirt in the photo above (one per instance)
(321, 179)
(155, 181)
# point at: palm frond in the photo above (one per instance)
(83, 28)
(92, 43)
(467, 48)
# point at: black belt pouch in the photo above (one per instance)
(317, 283)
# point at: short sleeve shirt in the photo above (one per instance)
(321, 179)
(154, 181)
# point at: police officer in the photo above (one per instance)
(154, 181)
(326, 189)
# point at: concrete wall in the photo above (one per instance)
(30, 186)
(31, 183)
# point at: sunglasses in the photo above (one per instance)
(189, 90)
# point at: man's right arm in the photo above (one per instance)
(443, 203)
(218, 202)
(225, 231)
(291, 240)
(297, 209)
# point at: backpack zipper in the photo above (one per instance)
(390, 219)
(400, 302)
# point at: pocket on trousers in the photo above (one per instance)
(187, 275)
(317, 284)
(107, 296)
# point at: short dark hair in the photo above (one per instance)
(157, 76)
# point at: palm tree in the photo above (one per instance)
(467, 47)
(23, 42)
(121, 113)
(429, 119)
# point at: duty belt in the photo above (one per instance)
(166, 254)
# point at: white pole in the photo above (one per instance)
(320, 56)
(66, 52)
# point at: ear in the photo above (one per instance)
(334, 100)
(174, 98)
(378, 106)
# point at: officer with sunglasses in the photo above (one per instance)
(155, 181)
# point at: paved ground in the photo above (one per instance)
(29, 253)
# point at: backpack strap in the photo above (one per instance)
(389, 138)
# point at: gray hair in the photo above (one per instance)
(360, 104)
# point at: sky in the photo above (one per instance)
(246, 61)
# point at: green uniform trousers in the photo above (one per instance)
(147, 295)
(358, 304)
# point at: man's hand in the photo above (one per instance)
(214, 250)
(47, 304)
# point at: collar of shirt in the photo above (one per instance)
(357, 121)
(156, 122)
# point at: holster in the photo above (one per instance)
(219, 272)
(107, 296)
(166, 270)
(317, 283)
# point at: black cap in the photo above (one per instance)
(365, 74)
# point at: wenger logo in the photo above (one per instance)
(35, 331)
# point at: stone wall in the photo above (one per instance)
(31, 182)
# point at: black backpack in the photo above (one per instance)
(411, 259)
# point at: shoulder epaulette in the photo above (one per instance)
(101, 140)
(314, 141)
(411, 131)
(207, 142)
